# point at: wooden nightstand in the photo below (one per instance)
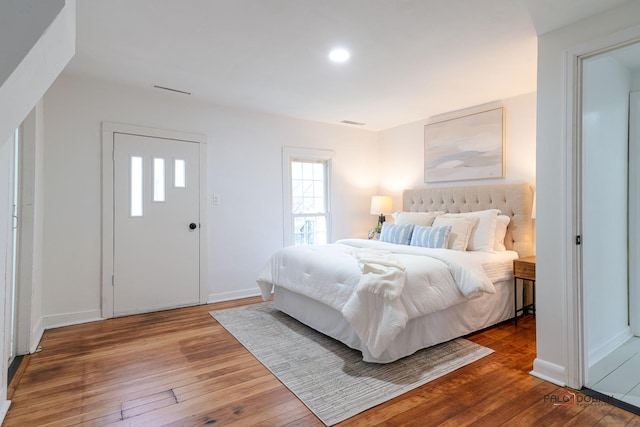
(524, 269)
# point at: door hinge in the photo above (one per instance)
(112, 280)
(578, 240)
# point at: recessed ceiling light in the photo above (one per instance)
(339, 55)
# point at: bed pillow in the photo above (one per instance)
(416, 218)
(394, 233)
(483, 235)
(501, 232)
(431, 237)
(461, 228)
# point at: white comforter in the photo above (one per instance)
(415, 281)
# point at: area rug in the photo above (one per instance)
(327, 376)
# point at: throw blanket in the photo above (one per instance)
(435, 279)
(374, 311)
(382, 273)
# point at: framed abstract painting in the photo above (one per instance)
(465, 148)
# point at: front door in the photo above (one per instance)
(156, 224)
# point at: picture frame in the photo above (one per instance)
(465, 148)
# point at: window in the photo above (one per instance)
(307, 205)
(158, 180)
(136, 186)
(180, 173)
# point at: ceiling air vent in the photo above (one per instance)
(172, 90)
(351, 122)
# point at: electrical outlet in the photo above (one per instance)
(216, 199)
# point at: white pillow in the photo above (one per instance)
(461, 228)
(501, 232)
(416, 218)
(483, 236)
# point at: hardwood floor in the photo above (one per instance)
(181, 368)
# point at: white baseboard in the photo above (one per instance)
(596, 354)
(67, 319)
(36, 336)
(229, 296)
(4, 408)
(549, 372)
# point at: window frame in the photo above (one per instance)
(301, 154)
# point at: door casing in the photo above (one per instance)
(109, 129)
(575, 373)
(634, 206)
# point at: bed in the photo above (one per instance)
(390, 298)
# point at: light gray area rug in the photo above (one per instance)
(330, 378)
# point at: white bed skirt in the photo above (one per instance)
(425, 331)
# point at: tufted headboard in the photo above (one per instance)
(513, 200)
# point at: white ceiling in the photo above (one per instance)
(410, 59)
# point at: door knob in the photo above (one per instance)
(193, 226)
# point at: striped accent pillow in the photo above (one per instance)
(431, 237)
(394, 233)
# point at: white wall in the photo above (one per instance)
(244, 168)
(26, 84)
(635, 81)
(22, 22)
(555, 227)
(604, 203)
(401, 161)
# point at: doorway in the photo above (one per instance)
(154, 247)
(610, 215)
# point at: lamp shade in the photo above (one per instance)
(381, 205)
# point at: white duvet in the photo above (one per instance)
(377, 286)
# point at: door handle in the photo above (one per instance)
(193, 226)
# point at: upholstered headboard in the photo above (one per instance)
(513, 200)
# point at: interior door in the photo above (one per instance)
(156, 224)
